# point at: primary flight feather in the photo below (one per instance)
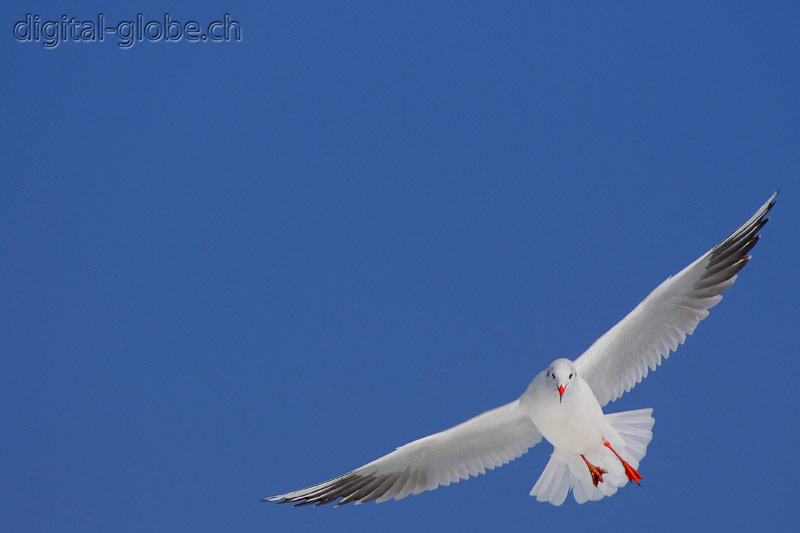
(594, 453)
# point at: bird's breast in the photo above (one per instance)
(575, 424)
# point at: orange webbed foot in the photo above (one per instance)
(596, 472)
(630, 472)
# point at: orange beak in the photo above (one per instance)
(561, 389)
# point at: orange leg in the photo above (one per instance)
(632, 474)
(596, 472)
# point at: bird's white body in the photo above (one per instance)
(593, 453)
(574, 423)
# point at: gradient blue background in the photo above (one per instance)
(232, 270)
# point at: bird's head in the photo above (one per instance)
(561, 373)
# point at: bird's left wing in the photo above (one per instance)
(486, 441)
(619, 359)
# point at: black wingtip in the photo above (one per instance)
(773, 198)
(274, 499)
(311, 501)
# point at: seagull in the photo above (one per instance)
(594, 454)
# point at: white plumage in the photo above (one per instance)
(594, 453)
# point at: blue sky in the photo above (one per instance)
(234, 269)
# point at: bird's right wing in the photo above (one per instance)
(489, 440)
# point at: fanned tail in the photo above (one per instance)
(636, 430)
(567, 471)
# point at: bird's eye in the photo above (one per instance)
(570, 376)
(553, 376)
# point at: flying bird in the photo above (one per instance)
(594, 454)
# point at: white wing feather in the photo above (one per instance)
(486, 441)
(619, 359)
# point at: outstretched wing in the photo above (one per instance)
(619, 359)
(489, 440)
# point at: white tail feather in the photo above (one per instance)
(567, 471)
